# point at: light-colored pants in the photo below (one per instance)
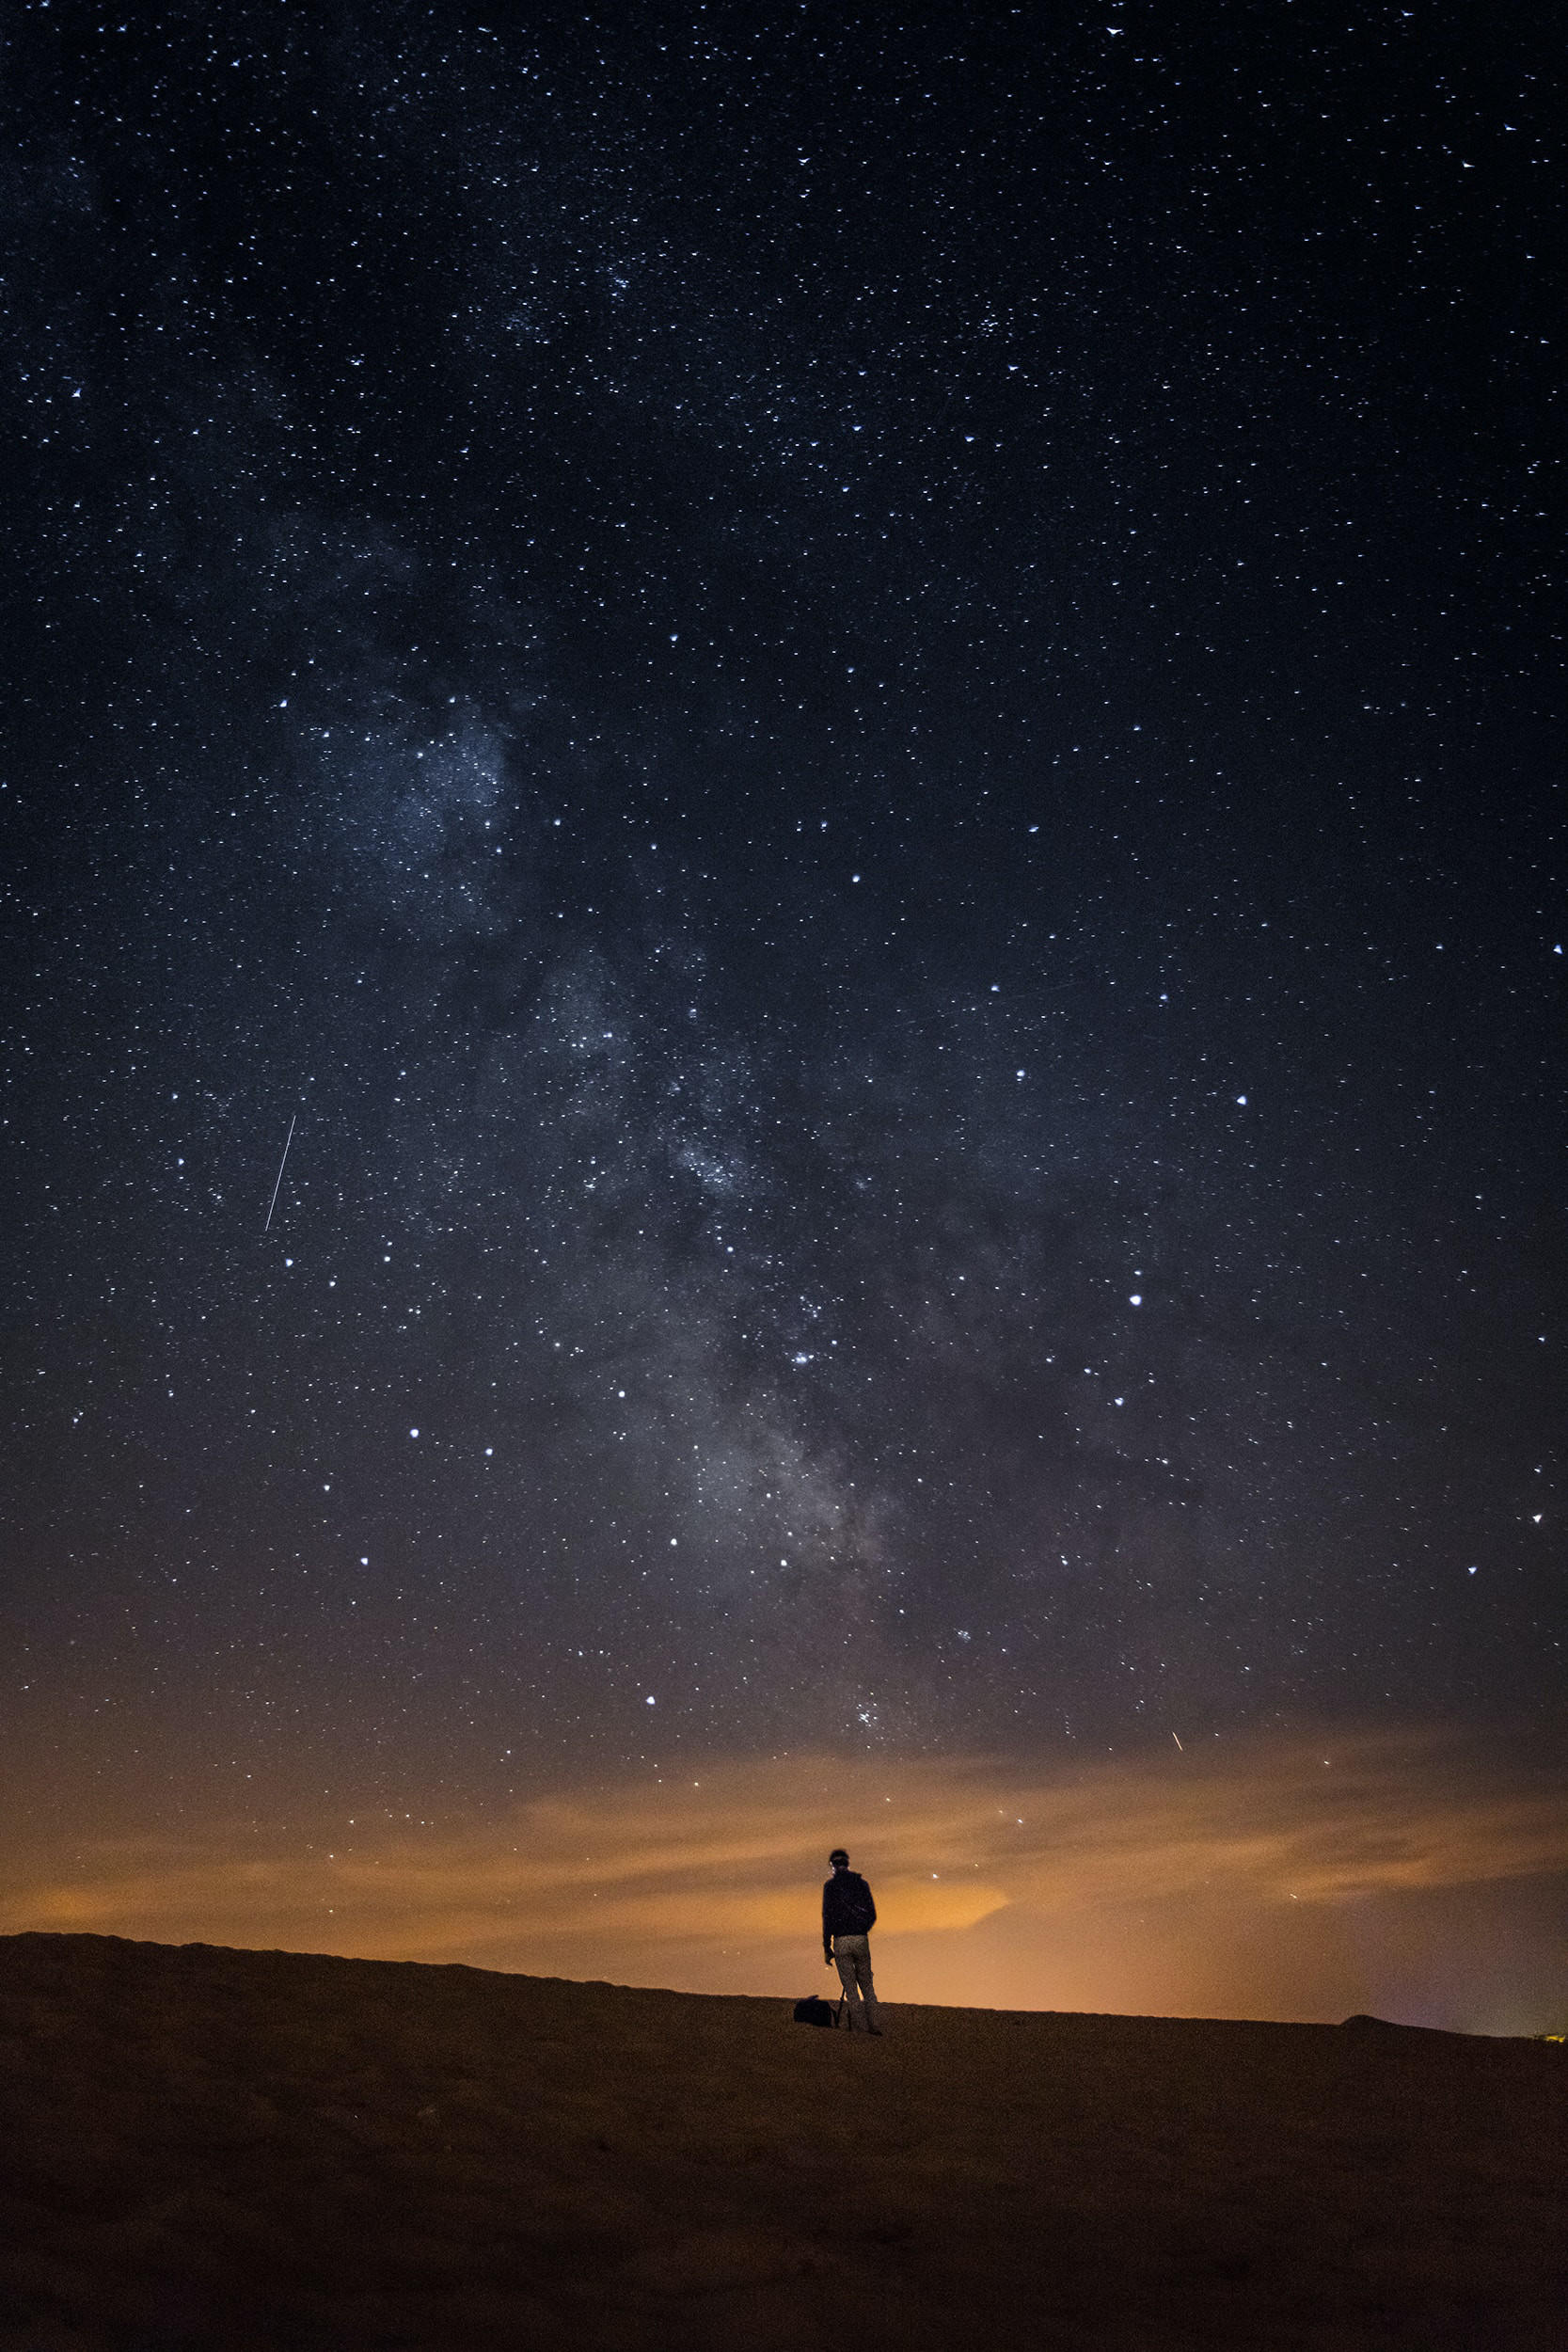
(852, 1957)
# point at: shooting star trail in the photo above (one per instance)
(282, 1163)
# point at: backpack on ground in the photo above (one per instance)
(814, 2010)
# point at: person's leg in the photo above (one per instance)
(862, 1972)
(845, 1959)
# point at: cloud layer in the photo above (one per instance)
(1279, 1878)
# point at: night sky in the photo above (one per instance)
(852, 714)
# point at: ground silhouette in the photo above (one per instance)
(271, 2152)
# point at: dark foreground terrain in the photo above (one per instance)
(248, 2150)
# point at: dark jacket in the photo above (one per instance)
(847, 1908)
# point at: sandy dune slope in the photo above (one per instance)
(247, 2150)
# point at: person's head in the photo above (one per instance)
(839, 1859)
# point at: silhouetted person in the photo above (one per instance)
(848, 1916)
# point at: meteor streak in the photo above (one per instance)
(282, 1163)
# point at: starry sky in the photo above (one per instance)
(849, 719)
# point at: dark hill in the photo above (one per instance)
(248, 2150)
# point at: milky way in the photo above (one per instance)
(857, 718)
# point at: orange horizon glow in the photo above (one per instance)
(1301, 1878)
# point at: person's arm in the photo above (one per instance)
(872, 1901)
(827, 1931)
